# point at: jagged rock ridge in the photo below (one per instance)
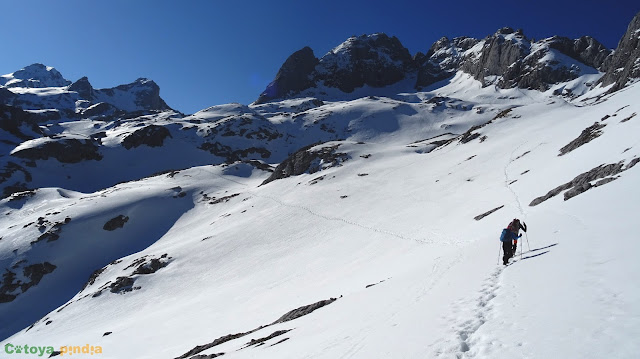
(505, 59)
(624, 64)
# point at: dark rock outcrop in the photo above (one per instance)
(481, 216)
(624, 64)
(149, 266)
(115, 223)
(501, 55)
(306, 161)
(35, 272)
(101, 109)
(293, 76)
(123, 285)
(152, 136)
(146, 92)
(582, 182)
(442, 60)
(51, 230)
(304, 310)
(64, 150)
(585, 49)
(291, 315)
(230, 155)
(375, 60)
(32, 274)
(6, 96)
(83, 88)
(17, 121)
(8, 172)
(586, 136)
(261, 341)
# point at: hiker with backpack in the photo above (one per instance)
(509, 239)
(515, 226)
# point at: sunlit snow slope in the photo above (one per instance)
(206, 260)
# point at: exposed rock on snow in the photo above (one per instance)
(442, 60)
(64, 150)
(624, 64)
(481, 216)
(230, 155)
(588, 134)
(83, 88)
(32, 273)
(308, 160)
(294, 314)
(304, 310)
(293, 76)
(152, 136)
(51, 230)
(582, 182)
(146, 265)
(376, 60)
(19, 123)
(123, 285)
(115, 223)
(260, 341)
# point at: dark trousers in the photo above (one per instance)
(508, 251)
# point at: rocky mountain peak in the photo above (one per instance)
(83, 88)
(624, 64)
(34, 76)
(506, 59)
(585, 49)
(292, 77)
(375, 60)
(146, 94)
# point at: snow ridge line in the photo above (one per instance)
(352, 223)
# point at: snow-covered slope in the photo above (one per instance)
(343, 225)
(207, 252)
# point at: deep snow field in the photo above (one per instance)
(399, 214)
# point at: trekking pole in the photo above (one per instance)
(499, 251)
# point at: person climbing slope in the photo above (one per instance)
(509, 239)
(515, 227)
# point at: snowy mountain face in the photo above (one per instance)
(34, 76)
(624, 64)
(329, 223)
(506, 59)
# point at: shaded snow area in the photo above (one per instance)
(363, 243)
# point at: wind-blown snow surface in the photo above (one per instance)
(396, 215)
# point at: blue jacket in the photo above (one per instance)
(507, 235)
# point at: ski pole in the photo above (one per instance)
(499, 251)
(526, 235)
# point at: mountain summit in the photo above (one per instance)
(34, 76)
(141, 95)
(506, 59)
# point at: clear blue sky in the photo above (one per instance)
(204, 53)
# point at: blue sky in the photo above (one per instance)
(204, 53)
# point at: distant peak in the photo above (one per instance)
(35, 75)
(144, 80)
(505, 31)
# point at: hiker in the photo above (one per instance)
(509, 239)
(515, 227)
